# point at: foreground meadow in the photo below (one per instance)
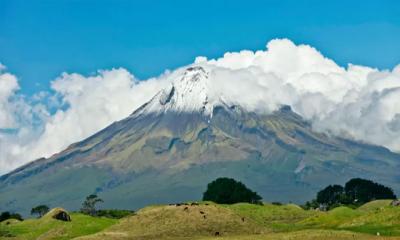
(206, 220)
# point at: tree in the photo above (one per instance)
(229, 191)
(332, 194)
(356, 192)
(4, 216)
(89, 205)
(8, 215)
(40, 210)
(362, 191)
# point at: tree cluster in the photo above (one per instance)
(8, 215)
(356, 192)
(229, 191)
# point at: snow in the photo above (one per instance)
(189, 92)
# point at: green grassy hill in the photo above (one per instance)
(48, 228)
(238, 221)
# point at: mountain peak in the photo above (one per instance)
(192, 84)
(194, 74)
(189, 92)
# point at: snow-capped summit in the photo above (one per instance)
(189, 92)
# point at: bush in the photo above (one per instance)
(229, 191)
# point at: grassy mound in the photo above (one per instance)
(158, 222)
(373, 205)
(277, 218)
(55, 213)
(385, 220)
(330, 219)
(10, 221)
(49, 228)
(377, 217)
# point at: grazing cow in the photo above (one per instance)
(216, 234)
(186, 209)
(204, 216)
(201, 212)
(242, 219)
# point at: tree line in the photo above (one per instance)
(89, 207)
(355, 192)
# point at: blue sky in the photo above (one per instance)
(41, 39)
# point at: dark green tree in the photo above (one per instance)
(361, 191)
(40, 210)
(332, 194)
(4, 216)
(356, 192)
(89, 205)
(8, 215)
(229, 191)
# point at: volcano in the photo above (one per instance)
(186, 136)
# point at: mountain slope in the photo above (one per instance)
(186, 136)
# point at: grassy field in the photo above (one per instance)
(205, 221)
(48, 228)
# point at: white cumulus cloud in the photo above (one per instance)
(356, 101)
(85, 106)
(8, 86)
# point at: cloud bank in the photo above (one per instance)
(357, 101)
(83, 106)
